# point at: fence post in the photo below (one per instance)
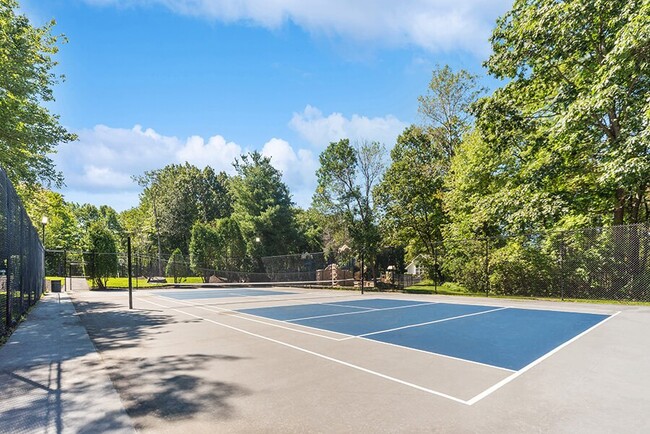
(562, 259)
(362, 281)
(487, 267)
(435, 269)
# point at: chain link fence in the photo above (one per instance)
(168, 269)
(21, 258)
(605, 263)
(608, 263)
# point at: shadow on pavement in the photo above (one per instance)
(112, 326)
(172, 387)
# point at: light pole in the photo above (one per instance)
(44, 221)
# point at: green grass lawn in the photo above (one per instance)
(141, 282)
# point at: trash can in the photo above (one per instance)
(56, 285)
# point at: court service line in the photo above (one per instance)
(241, 316)
(322, 356)
(359, 313)
(347, 337)
(507, 380)
(347, 305)
(427, 323)
(431, 353)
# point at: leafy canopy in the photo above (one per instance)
(28, 131)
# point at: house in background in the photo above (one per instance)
(416, 266)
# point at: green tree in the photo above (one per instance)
(411, 193)
(176, 266)
(138, 223)
(574, 112)
(310, 229)
(446, 105)
(346, 178)
(204, 249)
(231, 247)
(62, 231)
(180, 195)
(263, 207)
(28, 131)
(102, 254)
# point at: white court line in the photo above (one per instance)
(471, 401)
(347, 305)
(444, 356)
(348, 337)
(240, 315)
(507, 380)
(322, 356)
(359, 313)
(428, 322)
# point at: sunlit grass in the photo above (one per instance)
(141, 282)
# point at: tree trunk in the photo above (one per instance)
(619, 210)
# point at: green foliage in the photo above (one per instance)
(411, 192)
(177, 196)
(102, 257)
(263, 207)
(445, 107)
(28, 131)
(346, 178)
(139, 224)
(203, 249)
(176, 266)
(310, 229)
(231, 247)
(61, 231)
(87, 215)
(573, 118)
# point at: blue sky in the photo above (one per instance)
(154, 82)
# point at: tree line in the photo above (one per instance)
(560, 145)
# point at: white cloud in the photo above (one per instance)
(320, 130)
(98, 167)
(216, 153)
(435, 25)
(298, 168)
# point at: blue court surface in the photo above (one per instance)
(503, 337)
(219, 293)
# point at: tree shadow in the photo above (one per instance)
(172, 387)
(111, 326)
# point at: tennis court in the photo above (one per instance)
(295, 360)
(501, 337)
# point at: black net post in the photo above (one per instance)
(128, 260)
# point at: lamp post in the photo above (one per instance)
(44, 221)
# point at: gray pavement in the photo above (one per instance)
(52, 380)
(189, 367)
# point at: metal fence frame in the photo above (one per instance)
(599, 263)
(604, 263)
(22, 272)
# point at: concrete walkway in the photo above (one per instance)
(52, 380)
